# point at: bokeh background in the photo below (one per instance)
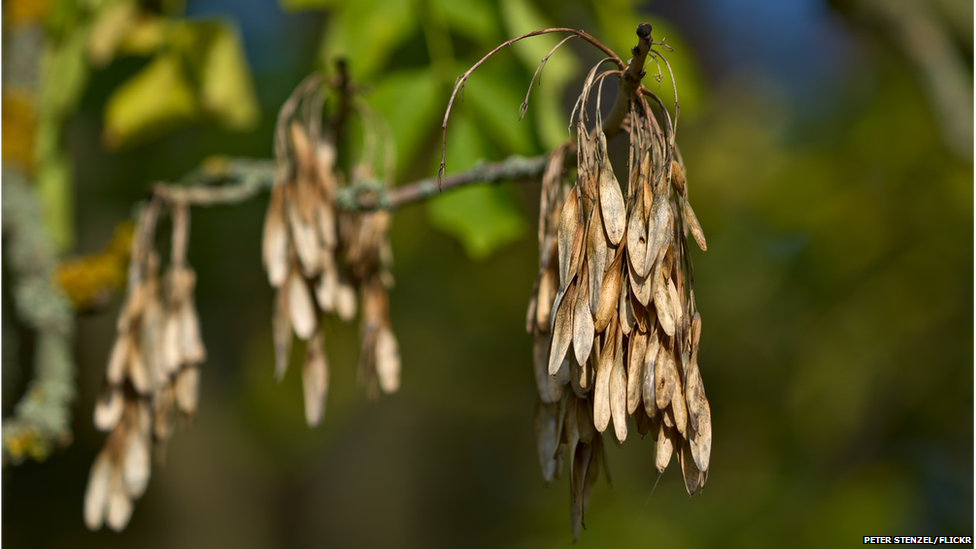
(829, 150)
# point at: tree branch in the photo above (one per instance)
(629, 82)
(225, 181)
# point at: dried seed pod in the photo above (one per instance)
(108, 408)
(276, 246)
(665, 377)
(609, 294)
(583, 329)
(562, 332)
(315, 380)
(187, 390)
(663, 448)
(692, 220)
(689, 471)
(596, 256)
(301, 309)
(566, 235)
(547, 440)
(388, 361)
(637, 240)
(649, 386)
(611, 198)
(635, 369)
(618, 391)
(601, 389)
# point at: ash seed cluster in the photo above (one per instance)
(319, 258)
(613, 311)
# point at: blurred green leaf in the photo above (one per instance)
(522, 17)
(409, 102)
(54, 191)
(299, 5)
(618, 31)
(111, 23)
(226, 87)
(155, 100)
(65, 70)
(484, 218)
(492, 96)
(473, 18)
(366, 33)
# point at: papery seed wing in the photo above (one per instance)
(693, 225)
(611, 198)
(315, 380)
(96, 494)
(609, 294)
(583, 330)
(649, 385)
(601, 389)
(388, 361)
(187, 390)
(301, 309)
(625, 308)
(664, 378)
(303, 237)
(136, 465)
(540, 359)
(596, 256)
(664, 306)
(119, 509)
(636, 353)
(117, 359)
(281, 330)
(566, 235)
(276, 241)
(637, 240)
(663, 449)
(191, 345)
(689, 470)
(618, 391)
(108, 408)
(659, 232)
(562, 332)
(546, 439)
(345, 300)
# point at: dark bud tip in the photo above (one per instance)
(644, 31)
(635, 50)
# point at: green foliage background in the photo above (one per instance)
(837, 293)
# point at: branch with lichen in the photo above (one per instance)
(227, 181)
(42, 418)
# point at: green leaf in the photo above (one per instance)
(483, 218)
(300, 5)
(551, 121)
(154, 101)
(65, 72)
(471, 18)
(226, 87)
(619, 26)
(409, 102)
(494, 98)
(366, 34)
(55, 191)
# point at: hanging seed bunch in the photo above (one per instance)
(613, 314)
(153, 372)
(319, 257)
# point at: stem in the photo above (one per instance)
(629, 82)
(226, 181)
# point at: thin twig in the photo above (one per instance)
(459, 85)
